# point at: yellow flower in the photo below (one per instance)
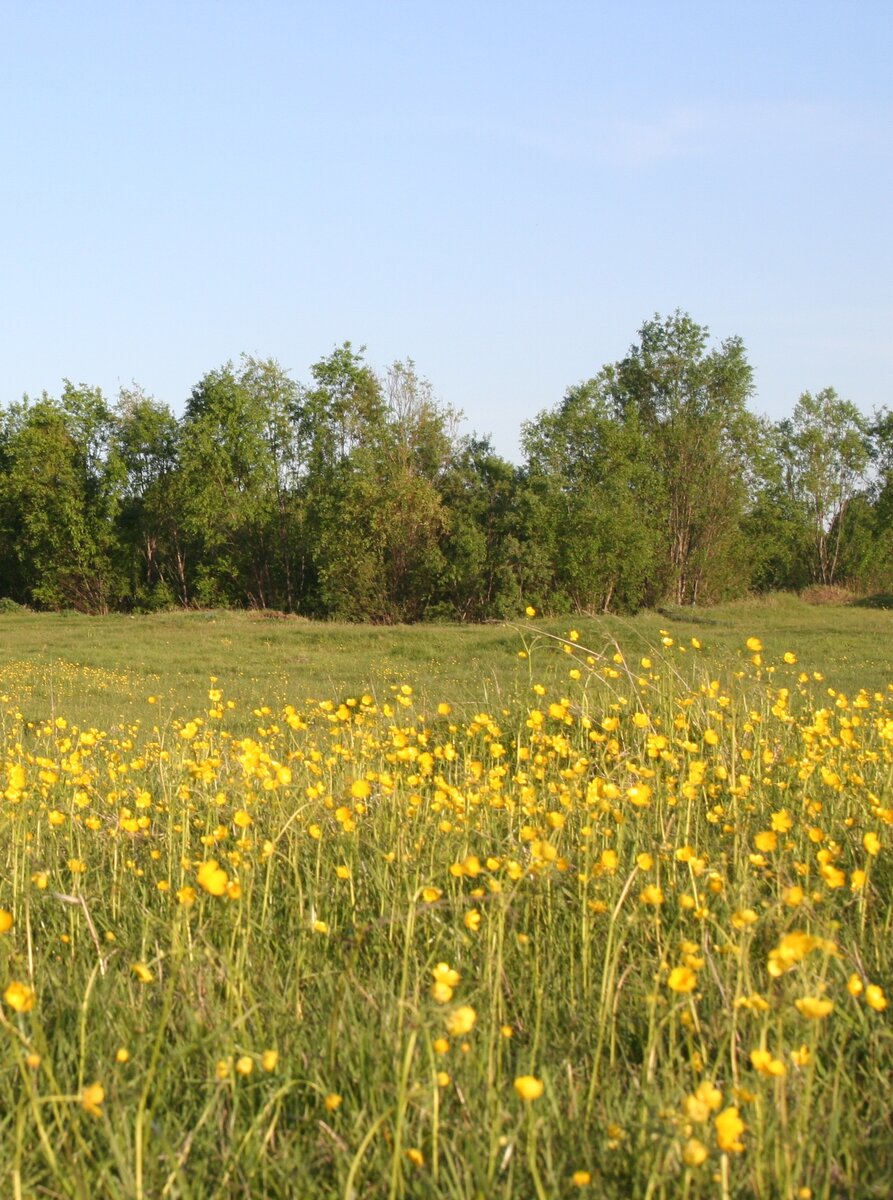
(682, 979)
(762, 1061)
(6, 921)
(754, 1003)
(794, 947)
(652, 895)
(639, 794)
(529, 1087)
(644, 861)
(245, 1064)
(20, 997)
(729, 1128)
(472, 920)
(875, 998)
(332, 1101)
(269, 1060)
(581, 1178)
(143, 973)
(530, 611)
(608, 860)
(461, 1020)
(694, 1152)
(415, 1156)
(705, 1100)
(441, 993)
(854, 985)
(789, 657)
(92, 1097)
(872, 843)
(212, 877)
(754, 645)
(122, 1055)
(801, 1057)
(431, 894)
(443, 1079)
(814, 1007)
(782, 821)
(444, 974)
(743, 917)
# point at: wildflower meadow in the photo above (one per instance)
(612, 919)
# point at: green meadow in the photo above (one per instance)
(114, 662)
(541, 909)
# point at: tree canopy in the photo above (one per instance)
(353, 495)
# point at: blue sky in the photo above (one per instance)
(503, 192)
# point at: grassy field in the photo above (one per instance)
(539, 910)
(102, 669)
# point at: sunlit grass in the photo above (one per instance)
(598, 910)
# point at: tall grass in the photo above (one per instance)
(578, 937)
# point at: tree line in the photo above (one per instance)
(353, 496)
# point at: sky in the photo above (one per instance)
(503, 192)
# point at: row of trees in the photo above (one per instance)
(353, 496)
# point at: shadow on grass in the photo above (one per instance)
(879, 600)
(688, 616)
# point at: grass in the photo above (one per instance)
(102, 668)
(399, 913)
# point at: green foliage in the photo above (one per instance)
(827, 455)
(591, 493)
(353, 497)
(690, 404)
(60, 493)
(482, 544)
(378, 510)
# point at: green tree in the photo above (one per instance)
(828, 454)
(776, 526)
(146, 439)
(483, 548)
(235, 461)
(379, 513)
(591, 499)
(60, 492)
(640, 480)
(333, 416)
(690, 403)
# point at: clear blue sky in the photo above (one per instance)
(501, 191)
